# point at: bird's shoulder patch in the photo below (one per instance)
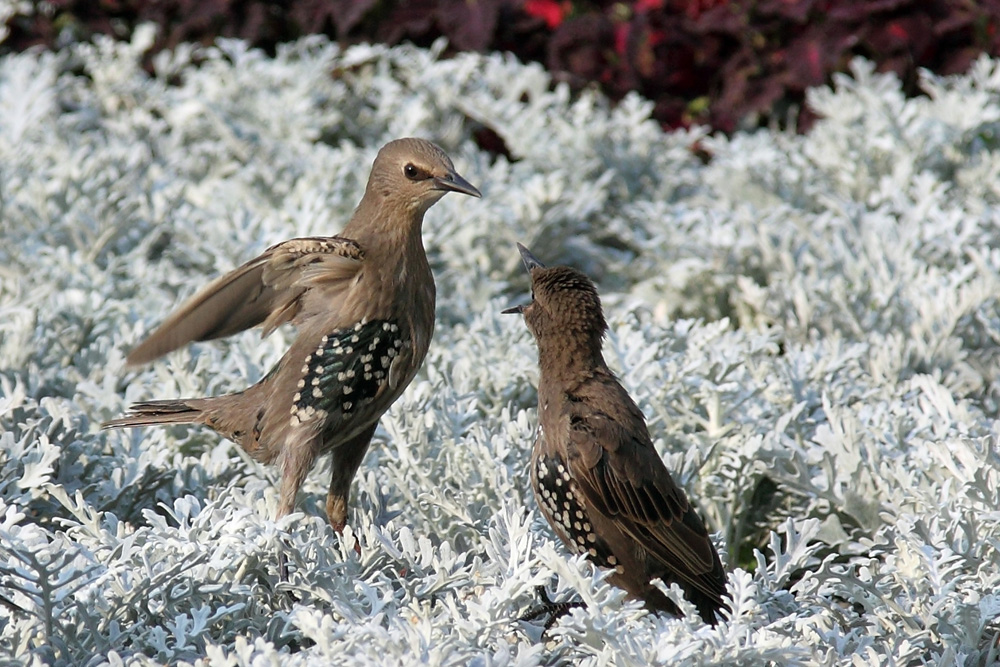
(348, 369)
(587, 431)
(325, 262)
(318, 245)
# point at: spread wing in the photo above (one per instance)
(268, 290)
(620, 474)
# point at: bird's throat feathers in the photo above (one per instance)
(395, 224)
(570, 355)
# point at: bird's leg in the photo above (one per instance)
(344, 463)
(555, 610)
(296, 460)
(295, 464)
(282, 567)
(283, 574)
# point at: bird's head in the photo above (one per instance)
(414, 174)
(564, 304)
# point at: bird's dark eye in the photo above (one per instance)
(411, 172)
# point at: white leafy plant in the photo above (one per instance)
(809, 323)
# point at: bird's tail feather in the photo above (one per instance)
(174, 411)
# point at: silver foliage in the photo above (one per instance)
(810, 324)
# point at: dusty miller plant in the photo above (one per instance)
(809, 323)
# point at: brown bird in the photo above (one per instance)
(597, 478)
(363, 306)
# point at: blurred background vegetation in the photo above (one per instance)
(729, 64)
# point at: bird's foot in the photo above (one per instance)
(554, 610)
(339, 529)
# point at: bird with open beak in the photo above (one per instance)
(596, 475)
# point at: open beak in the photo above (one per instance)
(452, 182)
(530, 262)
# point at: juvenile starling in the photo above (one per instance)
(597, 478)
(363, 306)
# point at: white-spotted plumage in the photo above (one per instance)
(346, 378)
(598, 479)
(565, 509)
(376, 271)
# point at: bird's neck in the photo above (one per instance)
(384, 227)
(396, 265)
(570, 359)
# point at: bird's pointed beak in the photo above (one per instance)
(530, 261)
(452, 182)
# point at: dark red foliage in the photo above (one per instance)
(727, 63)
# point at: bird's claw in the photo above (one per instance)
(555, 610)
(338, 528)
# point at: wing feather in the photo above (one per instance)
(630, 483)
(266, 291)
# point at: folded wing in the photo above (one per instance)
(623, 477)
